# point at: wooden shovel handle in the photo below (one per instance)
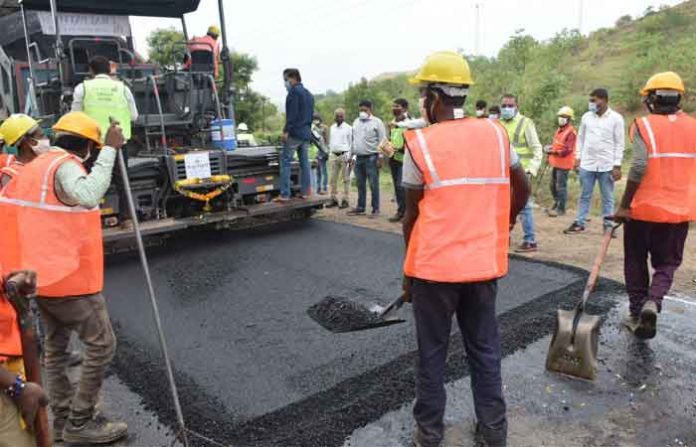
(597, 266)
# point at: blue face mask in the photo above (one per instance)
(508, 113)
(593, 107)
(288, 85)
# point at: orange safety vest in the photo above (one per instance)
(205, 43)
(567, 162)
(10, 169)
(667, 193)
(63, 244)
(463, 227)
(10, 337)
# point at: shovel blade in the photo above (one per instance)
(340, 314)
(573, 349)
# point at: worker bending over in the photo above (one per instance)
(23, 132)
(19, 399)
(660, 199)
(562, 158)
(52, 210)
(525, 140)
(455, 254)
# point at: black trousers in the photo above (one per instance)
(434, 305)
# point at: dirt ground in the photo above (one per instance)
(577, 250)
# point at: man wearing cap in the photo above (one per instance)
(659, 201)
(57, 232)
(206, 44)
(455, 254)
(24, 133)
(562, 158)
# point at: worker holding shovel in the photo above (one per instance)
(660, 200)
(455, 254)
(51, 216)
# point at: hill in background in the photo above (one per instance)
(561, 71)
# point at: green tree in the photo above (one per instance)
(167, 47)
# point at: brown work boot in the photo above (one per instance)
(527, 247)
(648, 321)
(98, 430)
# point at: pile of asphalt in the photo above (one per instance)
(322, 403)
(339, 314)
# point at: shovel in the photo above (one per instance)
(339, 314)
(573, 349)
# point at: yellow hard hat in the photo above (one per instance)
(16, 126)
(214, 29)
(446, 67)
(667, 80)
(81, 125)
(566, 111)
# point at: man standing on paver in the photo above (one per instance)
(455, 254)
(368, 133)
(600, 153)
(525, 141)
(562, 159)
(299, 113)
(660, 199)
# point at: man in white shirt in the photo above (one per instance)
(340, 142)
(601, 144)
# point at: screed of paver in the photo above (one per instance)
(644, 395)
(234, 310)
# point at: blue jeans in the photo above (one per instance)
(322, 175)
(301, 147)
(606, 187)
(366, 170)
(527, 217)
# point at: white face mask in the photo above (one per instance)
(363, 115)
(86, 157)
(42, 146)
(493, 116)
(479, 113)
(562, 121)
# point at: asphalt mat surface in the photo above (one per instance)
(254, 369)
(644, 394)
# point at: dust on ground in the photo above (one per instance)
(578, 250)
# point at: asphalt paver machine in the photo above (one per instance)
(181, 176)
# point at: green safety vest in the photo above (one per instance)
(516, 130)
(105, 98)
(397, 140)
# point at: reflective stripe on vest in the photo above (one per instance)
(63, 244)
(567, 162)
(517, 135)
(10, 337)
(106, 98)
(667, 192)
(463, 162)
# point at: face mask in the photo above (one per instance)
(364, 115)
(593, 107)
(288, 86)
(86, 157)
(493, 116)
(316, 123)
(562, 121)
(508, 113)
(479, 113)
(42, 146)
(339, 121)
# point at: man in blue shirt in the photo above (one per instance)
(299, 112)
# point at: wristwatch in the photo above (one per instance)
(15, 390)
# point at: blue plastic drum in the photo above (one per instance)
(227, 138)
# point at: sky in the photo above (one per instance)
(335, 43)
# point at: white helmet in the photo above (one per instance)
(243, 127)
